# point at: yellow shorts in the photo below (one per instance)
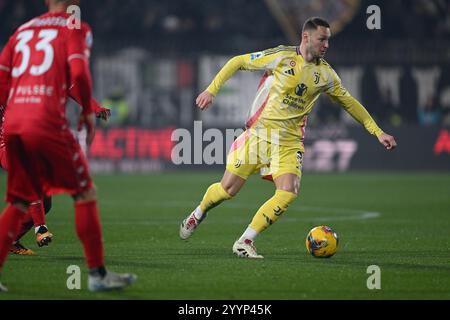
(249, 154)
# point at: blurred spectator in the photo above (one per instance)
(119, 108)
(390, 113)
(446, 116)
(370, 88)
(409, 96)
(430, 113)
(445, 105)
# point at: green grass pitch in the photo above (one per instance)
(397, 221)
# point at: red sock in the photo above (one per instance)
(25, 225)
(9, 227)
(89, 231)
(36, 210)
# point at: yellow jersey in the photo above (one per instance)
(287, 93)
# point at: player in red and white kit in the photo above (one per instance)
(45, 61)
(38, 209)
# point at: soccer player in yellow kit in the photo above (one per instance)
(273, 140)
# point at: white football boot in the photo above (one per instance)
(111, 281)
(189, 224)
(246, 249)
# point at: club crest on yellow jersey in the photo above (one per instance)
(316, 77)
(301, 89)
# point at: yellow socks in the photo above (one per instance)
(266, 215)
(272, 210)
(213, 197)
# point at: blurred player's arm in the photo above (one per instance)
(81, 87)
(340, 95)
(100, 112)
(5, 73)
(81, 83)
(264, 60)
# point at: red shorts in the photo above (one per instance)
(45, 164)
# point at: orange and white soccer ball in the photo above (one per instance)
(322, 242)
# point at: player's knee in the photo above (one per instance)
(288, 182)
(294, 189)
(88, 195)
(231, 183)
(285, 197)
(230, 189)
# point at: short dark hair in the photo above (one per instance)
(314, 22)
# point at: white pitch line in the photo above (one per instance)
(293, 214)
(359, 216)
(355, 214)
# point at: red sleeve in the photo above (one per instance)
(96, 106)
(80, 75)
(5, 72)
(74, 94)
